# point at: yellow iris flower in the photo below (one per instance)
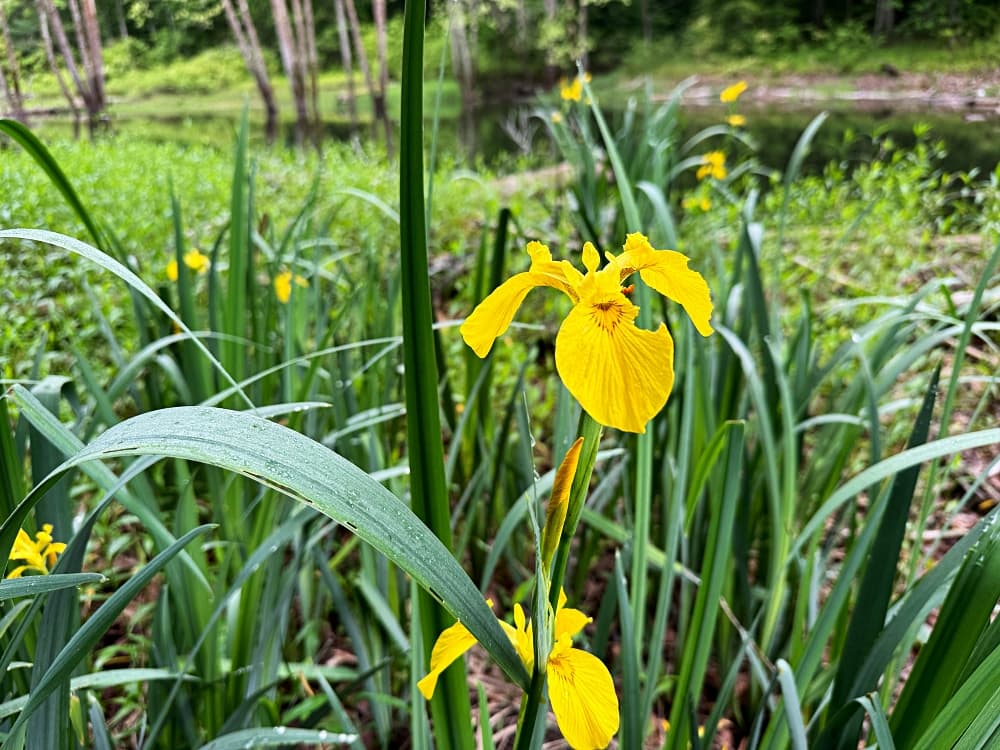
(572, 92)
(38, 554)
(193, 259)
(731, 93)
(620, 374)
(581, 690)
(736, 121)
(283, 285)
(713, 165)
(703, 204)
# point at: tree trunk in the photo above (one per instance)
(359, 47)
(86, 91)
(461, 58)
(300, 41)
(581, 36)
(290, 64)
(345, 59)
(50, 55)
(48, 12)
(312, 66)
(884, 18)
(95, 52)
(246, 40)
(378, 9)
(647, 22)
(551, 71)
(12, 90)
(122, 26)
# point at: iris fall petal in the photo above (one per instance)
(451, 644)
(620, 374)
(583, 697)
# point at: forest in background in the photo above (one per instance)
(65, 54)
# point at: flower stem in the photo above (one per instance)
(528, 715)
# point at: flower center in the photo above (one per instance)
(608, 315)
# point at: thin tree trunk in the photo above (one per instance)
(312, 66)
(12, 91)
(378, 9)
(359, 47)
(50, 55)
(647, 22)
(46, 8)
(884, 18)
(460, 56)
(286, 47)
(89, 99)
(551, 71)
(92, 38)
(581, 38)
(122, 26)
(345, 59)
(300, 42)
(521, 14)
(246, 40)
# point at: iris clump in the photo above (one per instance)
(621, 374)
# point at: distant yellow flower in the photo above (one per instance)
(703, 204)
(193, 259)
(38, 555)
(557, 118)
(736, 121)
(620, 374)
(732, 93)
(713, 165)
(572, 92)
(581, 690)
(283, 285)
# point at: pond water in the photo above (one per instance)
(502, 135)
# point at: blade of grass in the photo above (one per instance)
(428, 491)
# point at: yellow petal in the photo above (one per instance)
(736, 121)
(196, 261)
(555, 512)
(583, 697)
(621, 375)
(283, 286)
(667, 272)
(570, 621)
(172, 270)
(732, 93)
(493, 315)
(451, 644)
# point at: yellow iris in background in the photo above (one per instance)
(713, 165)
(694, 202)
(731, 93)
(283, 285)
(193, 259)
(620, 374)
(572, 92)
(38, 554)
(736, 121)
(581, 690)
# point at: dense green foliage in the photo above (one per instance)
(760, 562)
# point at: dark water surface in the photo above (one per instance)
(503, 136)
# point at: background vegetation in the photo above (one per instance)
(242, 455)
